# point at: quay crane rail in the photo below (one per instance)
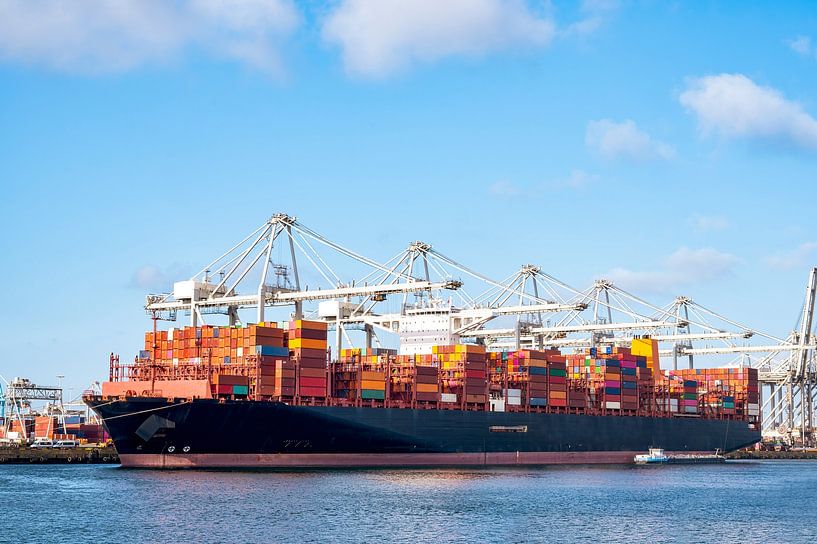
(529, 308)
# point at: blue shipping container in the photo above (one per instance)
(273, 351)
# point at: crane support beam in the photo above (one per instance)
(805, 324)
(739, 349)
(565, 329)
(702, 336)
(280, 297)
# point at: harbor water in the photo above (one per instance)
(743, 501)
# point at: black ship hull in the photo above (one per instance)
(151, 432)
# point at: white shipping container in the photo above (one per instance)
(514, 393)
(448, 397)
(514, 401)
(612, 405)
(239, 352)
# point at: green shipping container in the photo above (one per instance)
(372, 394)
(241, 390)
(557, 372)
(690, 396)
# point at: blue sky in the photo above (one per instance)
(671, 147)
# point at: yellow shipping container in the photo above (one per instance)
(373, 384)
(647, 347)
(306, 343)
(470, 348)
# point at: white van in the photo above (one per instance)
(66, 444)
(43, 443)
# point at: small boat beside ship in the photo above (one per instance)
(656, 456)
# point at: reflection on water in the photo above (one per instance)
(737, 502)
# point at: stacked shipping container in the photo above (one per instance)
(464, 373)
(307, 347)
(267, 362)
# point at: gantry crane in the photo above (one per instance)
(527, 309)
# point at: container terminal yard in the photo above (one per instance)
(39, 427)
(528, 371)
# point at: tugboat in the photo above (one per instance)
(654, 457)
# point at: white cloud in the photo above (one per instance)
(624, 140)
(93, 36)
(734, 106)
(801, 256)
(504, 188)
(682, 268)
(154, 279)
(709, 222)
(577, 179)
(802, 46)
(595, 14)
(378, 37)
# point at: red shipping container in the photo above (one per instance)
(307, 372)
(308, 334)
(313, 363)
(427, 397)
(312, 382)
(312, 391)
(308, 353)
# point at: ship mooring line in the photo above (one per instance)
(146, 411)
(106, 403)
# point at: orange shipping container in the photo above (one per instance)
(303, 324)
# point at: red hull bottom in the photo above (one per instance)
(341, 460)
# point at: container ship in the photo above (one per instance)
(274, 395)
